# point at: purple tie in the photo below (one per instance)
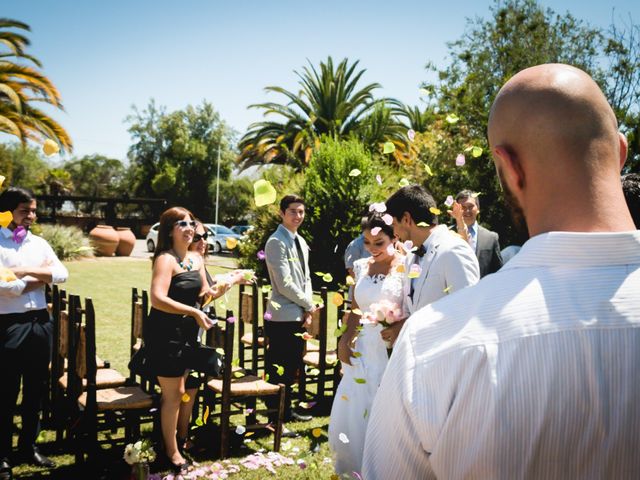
(19, 234)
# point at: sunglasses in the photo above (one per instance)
(200, 236)
(185, 224)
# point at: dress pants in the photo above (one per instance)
(25, 353)
(284, 349)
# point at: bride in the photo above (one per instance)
(361, 349)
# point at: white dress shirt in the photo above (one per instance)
(473, 236)
(532, 373)
(34, 251)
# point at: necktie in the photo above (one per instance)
(419, 253)
(300, 255)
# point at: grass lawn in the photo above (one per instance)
(108, 282)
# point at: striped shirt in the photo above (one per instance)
(532, 373)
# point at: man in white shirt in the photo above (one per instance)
(28, 264)
(441, 263)
(532, 373)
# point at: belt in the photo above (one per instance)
(40, 316)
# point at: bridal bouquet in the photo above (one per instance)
(384, 313)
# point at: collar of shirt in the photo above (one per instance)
(291, 234)
(8, 234)
(579, 249)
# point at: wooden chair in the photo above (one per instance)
(321, 364)
(95, 408)
(254, 340)
(235, 388)
(139, 315)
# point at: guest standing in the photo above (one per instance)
(26, 328)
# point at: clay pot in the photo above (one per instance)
(126, 243)
(104, 239)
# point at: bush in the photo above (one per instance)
(68, 243)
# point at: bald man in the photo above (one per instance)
(533, 372)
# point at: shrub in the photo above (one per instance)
(68, 243)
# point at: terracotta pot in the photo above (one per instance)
(104, 239)
(126, 243)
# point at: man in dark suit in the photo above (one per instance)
(484, 242)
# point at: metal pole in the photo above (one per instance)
(217, 186)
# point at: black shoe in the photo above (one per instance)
(299, 417)
(34, 457)
(181, 469)
(5, 470)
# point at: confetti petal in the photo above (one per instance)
(460, 160)
(427, 168)
(448, 289)
(344, 397)
(275, 305)
(476, 152)
(240, 429)
(414, 271)
(403, 182)
(350, 281)
(343, 438)
(261, 255)
(388, 147)
(361, 381)
(50, 147)
(264, 193)
(391, 249)
(378, 179)
(232, 243)
(423, 224)
(449, 201)
(379, 207)
(279, 369)
(186, 398)
(411, 134)
(375, 231)
(231, 320)
(400, 268)
(388, 219)
(3, 178)
(206, 414)
(316, 432)
(356, 311)
(327, 277)
(337, 299)
(354, 173)
(6, 218)
(267, 316)
(408, 245)
(435, 211)
(452, 118)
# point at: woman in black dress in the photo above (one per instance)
(178, 281)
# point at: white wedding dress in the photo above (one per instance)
(360, 381)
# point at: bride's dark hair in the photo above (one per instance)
(374, 220)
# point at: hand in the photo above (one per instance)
(307, 319)
(217, 290)
(244, 277)
(345, 349)
(456, 213)
(202, 319)
(390, 334)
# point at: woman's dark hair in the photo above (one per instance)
(414, 199)
(375, 220)
(167, 220)
(12, 197)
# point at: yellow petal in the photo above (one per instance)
(7, 275)
(50, 147)
(264, 193)
(232, 243)
(186, 398)
(5, 218)
(316, 432)
(435, 211)
(2, 179)
(400, 268)
(337, 299)
(350, 281)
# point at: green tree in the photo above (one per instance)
(22, 86)
(96, 175)
(23, 166)
(330, 102)
(174, 155)
(518, 34)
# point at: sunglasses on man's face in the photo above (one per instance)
(200, 236)
(185, 224)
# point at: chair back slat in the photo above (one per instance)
(246, 306)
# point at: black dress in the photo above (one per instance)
(166, 334)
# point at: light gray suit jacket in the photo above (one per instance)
(291, 291)
(448, 265)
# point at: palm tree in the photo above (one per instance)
(21, 86)
(329, 103)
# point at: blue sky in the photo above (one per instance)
(105, 56)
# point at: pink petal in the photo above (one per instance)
(388, 219)
(375, 231)
(449, 201)
(379, 179)
(460, 160)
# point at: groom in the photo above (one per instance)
(442, 263)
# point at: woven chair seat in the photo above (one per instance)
(313, 358)
(247, 385)
(105, 378)
(121, 398)
(247, 339)
(312, 347)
